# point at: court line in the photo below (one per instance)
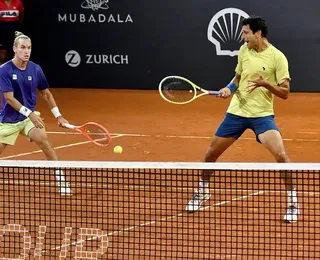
(234, 199)
(116, 135)
(209, 137)
(193, 136)
(149, 223)
(56, 148)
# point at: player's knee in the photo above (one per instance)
(39, 137)
(281, 157)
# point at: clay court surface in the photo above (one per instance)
(149, 129)
(242, 219)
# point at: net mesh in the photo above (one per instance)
(134, 210)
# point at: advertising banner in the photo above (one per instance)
(134, 44)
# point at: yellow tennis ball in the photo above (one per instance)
(117, 149)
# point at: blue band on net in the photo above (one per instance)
(233, 87)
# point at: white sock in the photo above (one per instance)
(59, 176)
(204, 186)
(292, 197)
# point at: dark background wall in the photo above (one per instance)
(159, 38)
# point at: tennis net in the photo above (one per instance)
(137, 210)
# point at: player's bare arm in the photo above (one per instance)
(226, 91)
(282, 90)
(236, 79)
(48, 97)
(12, 101)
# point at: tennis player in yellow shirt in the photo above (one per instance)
(262, 73)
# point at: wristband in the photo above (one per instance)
(55, 111)
(233, 87)
(25, 111)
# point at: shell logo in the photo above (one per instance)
(95, 4)
(224, 31)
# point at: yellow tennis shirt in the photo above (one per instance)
(272, 64)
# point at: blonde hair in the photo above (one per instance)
(18, 36)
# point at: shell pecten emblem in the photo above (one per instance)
(224, 31)
(95, 4)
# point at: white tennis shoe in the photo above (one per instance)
(64, 188)
(292, 214)
(197, 200)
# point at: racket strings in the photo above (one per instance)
(178, 90)
(97, 134)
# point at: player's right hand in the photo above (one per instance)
(225, 93)
(62, 122)
(36, 120)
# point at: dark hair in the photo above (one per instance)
(256, 23)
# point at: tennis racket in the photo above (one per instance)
(179, 90)
(95, 132)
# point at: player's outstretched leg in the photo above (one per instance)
(272, 140)
(202, 194)
(39, 136)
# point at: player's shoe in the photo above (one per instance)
(197, 200)
(64, 188)
(292, 214)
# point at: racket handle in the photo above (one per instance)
(213, 92)
(69, 126)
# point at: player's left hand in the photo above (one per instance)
(62, 121)
(256, 83)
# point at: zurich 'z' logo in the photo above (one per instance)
(73, 58)
(224, 31)
(95, 4)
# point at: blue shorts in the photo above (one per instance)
(234, 126)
